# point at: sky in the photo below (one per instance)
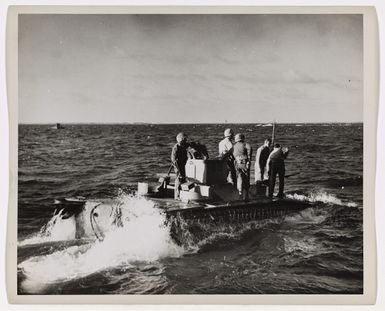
(190, 68)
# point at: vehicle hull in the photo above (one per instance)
(94, 218)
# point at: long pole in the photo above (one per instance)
(169, 170)
(273, 135)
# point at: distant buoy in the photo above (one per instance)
(342, 187)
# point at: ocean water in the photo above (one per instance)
(317, 251)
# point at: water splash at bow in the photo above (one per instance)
(142, 236)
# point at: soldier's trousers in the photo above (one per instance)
(277, 168)
(243, 180)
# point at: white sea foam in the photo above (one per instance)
(309, 215)
(321, 196)
(308, 246)
(314, 215)
(143, 237)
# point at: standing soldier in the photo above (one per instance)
(263, 153)
(225, 145)
(242, 153)
(179, 160)
(276, 166)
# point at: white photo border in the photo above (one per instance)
(370, 110)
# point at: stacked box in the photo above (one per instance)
(208, 172)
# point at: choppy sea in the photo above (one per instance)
(317, 251)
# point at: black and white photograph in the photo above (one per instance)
(168, 154)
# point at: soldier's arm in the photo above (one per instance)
(257, 162)
(267, 168)
(258, 155)
(227, 154)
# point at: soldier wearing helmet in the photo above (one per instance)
(225, 151)
(179, 159)
(226, 143)
(242, 153)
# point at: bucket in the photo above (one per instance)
(142, 188)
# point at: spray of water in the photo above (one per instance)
(56, 229)
(141, 236)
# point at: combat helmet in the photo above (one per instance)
(180, 137)
(228, 133)
(239, 137)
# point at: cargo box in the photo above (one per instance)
(207, 172)
(204, 190)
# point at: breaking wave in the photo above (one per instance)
(143, 238)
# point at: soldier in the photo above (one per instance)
(242, 153)
(276, 166)
(225, 147)
(263, 153)
(179, 159)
